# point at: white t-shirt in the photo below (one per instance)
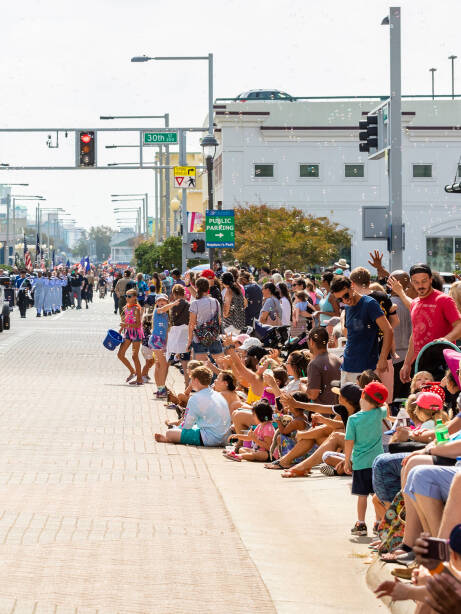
(286, 311)
(209, 411)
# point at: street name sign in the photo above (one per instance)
(156, 138)
(185, 177)
(220, 228)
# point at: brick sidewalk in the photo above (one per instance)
(95, 516)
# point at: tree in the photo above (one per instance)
(151, 257)
(285, 238)
(101, 237)
(82, 248)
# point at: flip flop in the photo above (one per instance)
(130, 377)
(233, 456)
(294, 473)
(275, 465)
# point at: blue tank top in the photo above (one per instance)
(325, 305)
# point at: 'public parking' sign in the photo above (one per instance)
(220, 228)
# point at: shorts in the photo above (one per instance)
(141, 300)
(184, 356)
(147, 352)
(134, 337)
(191, 437)
(214, 348)
(349, 377)
(362, 482)
(386, 475)
(433, 482)
(157, 343)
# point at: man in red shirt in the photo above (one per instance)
(434, 315)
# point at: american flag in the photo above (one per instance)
(27, 260)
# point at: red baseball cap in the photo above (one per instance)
(429, 400)
(208, 273)
(377, 391)
(434, 387)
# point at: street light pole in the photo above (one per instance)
(433, 70)
(452, 58)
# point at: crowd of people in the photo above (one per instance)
(341, 395)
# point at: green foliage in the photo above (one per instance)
(151, 257)
(101, 236)
(82, 248)
(286, 238)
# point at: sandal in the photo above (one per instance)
(233, 456)
(294, 473)
(275, 465)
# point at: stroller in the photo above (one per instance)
(270, 336)
(431, 358)
(297, 343)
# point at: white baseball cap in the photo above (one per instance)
(250, 343)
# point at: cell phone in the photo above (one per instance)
(278, 404)
(437, 549)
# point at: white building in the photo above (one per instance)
(305, 154)
(122, 246)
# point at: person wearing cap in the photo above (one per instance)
(434, 315)
(364, 319)
(364, 442)
(214, 286)
(349, 404)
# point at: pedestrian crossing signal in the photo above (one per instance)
(198, 246)
(87, 148)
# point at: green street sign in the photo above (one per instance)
(154, 138)
(220, 228)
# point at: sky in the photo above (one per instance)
(66, 63)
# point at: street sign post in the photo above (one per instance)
(220, 228)
(185, 177)
(156, 138)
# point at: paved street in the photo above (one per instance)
(98, 518)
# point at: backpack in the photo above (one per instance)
(208, 332)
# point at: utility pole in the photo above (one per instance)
(184, 220)
(395, 153)
(452, 58)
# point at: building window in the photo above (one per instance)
(309, 170)
(263, 170)
(422, 171)
(459, 170)
(354, 170)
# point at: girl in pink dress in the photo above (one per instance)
(261, 437)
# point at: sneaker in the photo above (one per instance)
(171, 406)
(161, 393)
(327, 470)
(360, 529)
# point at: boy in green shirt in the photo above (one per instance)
(363, 444)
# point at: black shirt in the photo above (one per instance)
(342, 412)
(180, 313)
(254, 296)
(388, 308)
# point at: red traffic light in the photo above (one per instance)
(85, 137)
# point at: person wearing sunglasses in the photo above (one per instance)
(364, 319)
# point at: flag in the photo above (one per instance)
(82, 262)
(37, 248)
(87, 264)
(68, 264)
(53, 259)
(27, 260)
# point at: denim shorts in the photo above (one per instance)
(214, 348)
(386, 475)
(430, 481)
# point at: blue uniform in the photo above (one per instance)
(39, 293)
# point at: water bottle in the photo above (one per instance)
(402, 418)
(458, 462)
(441, 432)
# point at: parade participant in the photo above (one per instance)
(132, 335)
(86, 291)
(76, 280)
(434, 315)
(90, 279)
(23, 286)
(39, 293)
(120, 289)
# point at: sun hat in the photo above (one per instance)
(342, 263)
(453, 359)
(376, 391)
(351, 392)
(161, 297)
(429, 400)
(208, 274)
(250, 343)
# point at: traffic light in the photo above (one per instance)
(197, 246)
(453, 188)
(87, 148)
(368, 135)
